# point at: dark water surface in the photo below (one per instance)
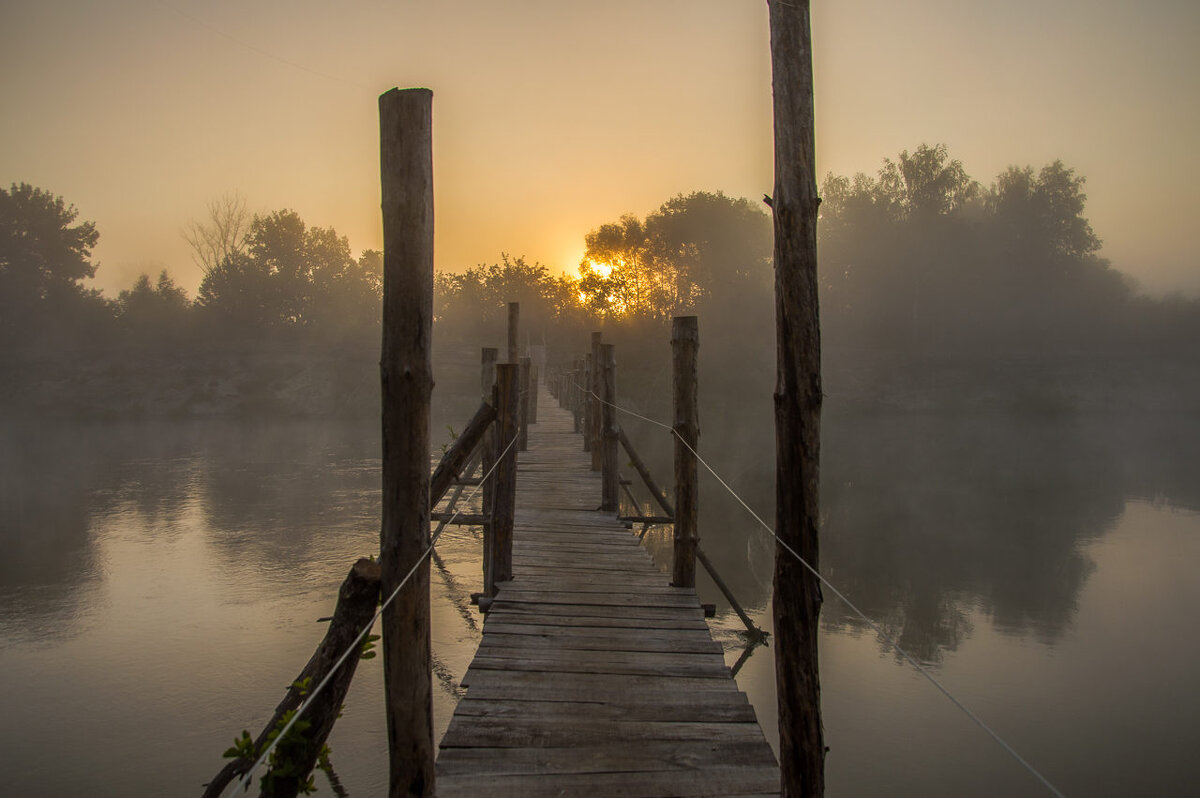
(160, 585)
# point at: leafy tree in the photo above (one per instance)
(152, 313)
(44, 259)
(474, 303)
(291, 276)
(922, 257)
(698, 249)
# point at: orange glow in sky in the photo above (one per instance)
(552, 118)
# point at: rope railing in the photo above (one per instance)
(842, 596)
(356, 644)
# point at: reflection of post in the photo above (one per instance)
(508, 399)
(595, 386)
(685, 340)
(523, 411)
(609, 479)
(797, 404)
(514, 325)
(406, 375)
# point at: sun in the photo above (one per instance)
(602, 269)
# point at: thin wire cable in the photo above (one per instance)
(255, 49)
(878, 630)
(249, 774)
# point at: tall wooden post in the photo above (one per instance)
(406, 376)
(514, 330)
(609, 478)
(523, 411)
(595, 386)
(508, 399)
(685, 341)
(797, 597)
(487, 449)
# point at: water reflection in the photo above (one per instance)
(189, 549)
(929, 521)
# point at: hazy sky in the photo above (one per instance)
(553, 117)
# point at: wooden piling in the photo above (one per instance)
(406, 376)
(508, 389)
(585, 400)
(640, 466)
(487, 449)
(609, 478)
(451, 466)
(357, 599)
(523, 410)
(797, 601)
(595, 386)
(534, 377)
(514, 330)
(685, 341)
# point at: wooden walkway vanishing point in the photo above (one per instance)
(594, 676)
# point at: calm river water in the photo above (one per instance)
(160, 586)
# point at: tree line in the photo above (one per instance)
(918, 258)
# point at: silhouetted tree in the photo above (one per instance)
(291, 276)
(44, 259)
(694, 248)
(472, 305)
(222, 235)
(154, 314)
(921, 258)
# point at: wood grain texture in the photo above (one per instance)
(594, 675)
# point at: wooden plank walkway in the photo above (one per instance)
(594, 676)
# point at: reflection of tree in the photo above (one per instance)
(929, 518)
(273, 494)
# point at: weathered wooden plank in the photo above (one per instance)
(654, 784)
(598, 620)
(609, 690)
(635, 683)
(585, 628)
(650, 755)
(599, 610)
(514, 593)
(643, 665)
(630, 641)
(512, 732)
(686, 711)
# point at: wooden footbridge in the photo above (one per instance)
(594, 676)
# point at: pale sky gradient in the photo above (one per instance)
(551, 117)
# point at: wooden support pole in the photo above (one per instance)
(609, 478)
(534, 377)
(357, 599)
(753, 631)
(797, 602)
(685, 341)
(585, 400)
(523, 411)
(514, 330)
(595, 386)
(508, 398)
(455, 458)
(406, 375)
(487, 449)
(640, 466)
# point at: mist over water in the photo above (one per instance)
(163, 581)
